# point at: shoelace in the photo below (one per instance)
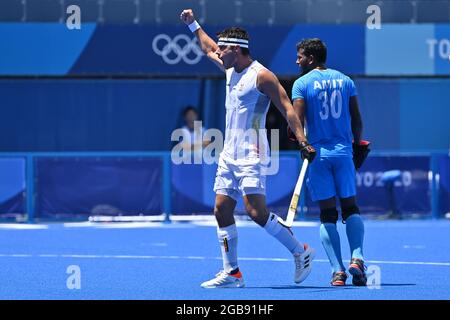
(219, 273)
(221, 276)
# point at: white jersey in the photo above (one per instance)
(246, 110)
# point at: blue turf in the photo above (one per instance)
(170, 262)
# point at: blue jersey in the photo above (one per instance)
(327, 96)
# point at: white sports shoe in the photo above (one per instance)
(225, 280)
(303, 263)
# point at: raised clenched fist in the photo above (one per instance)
(187, 16)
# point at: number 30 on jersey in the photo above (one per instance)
(331, 105)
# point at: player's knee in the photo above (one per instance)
(220, 210)
(259, 216)
(216, 210)
(329, 215)
(252, 212)
(348, 211)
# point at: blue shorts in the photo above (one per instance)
(331, 176)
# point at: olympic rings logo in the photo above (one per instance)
(182, 47)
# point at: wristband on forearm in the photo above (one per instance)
(194, 26)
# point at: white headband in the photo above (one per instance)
(233, 42)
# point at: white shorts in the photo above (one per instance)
(234, 179)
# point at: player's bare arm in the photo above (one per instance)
(208, 45)
(269, 85)
(356, 120)
(299, 108)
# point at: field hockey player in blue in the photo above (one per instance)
(326, 100)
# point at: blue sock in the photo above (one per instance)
(355, 235)
(332, 245)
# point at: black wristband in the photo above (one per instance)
(303, 144)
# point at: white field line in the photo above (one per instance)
(143, 257)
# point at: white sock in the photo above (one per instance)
(228, 244)
(283, 234)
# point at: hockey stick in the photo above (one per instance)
(295, 197)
